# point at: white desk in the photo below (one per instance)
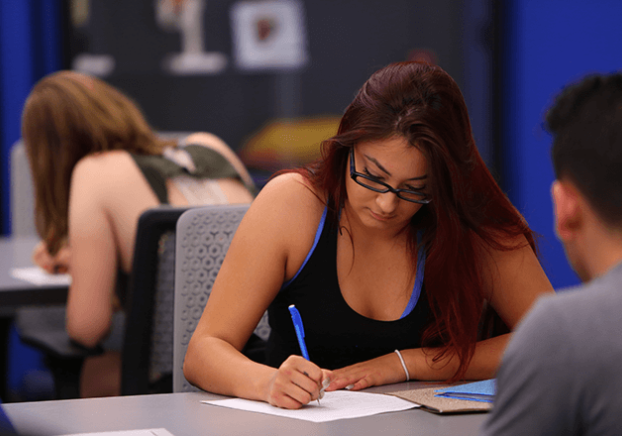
(183, 415)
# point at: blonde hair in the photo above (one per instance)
(68, 116)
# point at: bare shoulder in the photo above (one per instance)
(108, 166)
(107, 175)
(516, 242)
(287, 212)
(497, 261)
(207, 140)
(512, 277)
(294, 195)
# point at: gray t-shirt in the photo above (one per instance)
(561, 371)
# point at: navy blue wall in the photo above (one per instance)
(551, 43)
(30, 48)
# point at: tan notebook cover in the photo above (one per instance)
(428, 401)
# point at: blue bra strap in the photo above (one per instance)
(318, 233)
(414, 297)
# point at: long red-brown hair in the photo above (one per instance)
(423, 104)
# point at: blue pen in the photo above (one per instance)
(300, 334)
(300, 331)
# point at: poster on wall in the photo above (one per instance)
(269, 35)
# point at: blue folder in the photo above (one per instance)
(483, 391)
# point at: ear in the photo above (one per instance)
(569, 214)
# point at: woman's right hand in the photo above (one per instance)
(297, 382)
(51, 264)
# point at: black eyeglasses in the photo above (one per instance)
(378, 186)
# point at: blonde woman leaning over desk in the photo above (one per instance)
(392, 241)
(96, 166)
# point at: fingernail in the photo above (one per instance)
(325, 383)
(349, 386)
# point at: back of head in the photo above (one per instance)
(66, 117)
(586, 122)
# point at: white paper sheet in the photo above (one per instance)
(335, 405)
(39, 276)
(145, 432)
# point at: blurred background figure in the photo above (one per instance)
(96, 166)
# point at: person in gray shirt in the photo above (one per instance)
(560, 373)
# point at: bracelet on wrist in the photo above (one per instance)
(403, 364)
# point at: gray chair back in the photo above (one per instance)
(148, 335)
(203, 238)
(22, 193)
(161, 353)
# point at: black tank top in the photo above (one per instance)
(335, 334)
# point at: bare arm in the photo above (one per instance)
(513, 280)
(93, 257)
(268, 246)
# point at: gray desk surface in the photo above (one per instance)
(16, 293)
(16, 253)
(183, 415)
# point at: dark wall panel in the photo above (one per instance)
(347, 41)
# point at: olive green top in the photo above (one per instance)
(209, 164)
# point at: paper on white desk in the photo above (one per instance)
(145, 432)
(335, 405)
(39, 276)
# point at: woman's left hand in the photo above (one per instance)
(382, 370)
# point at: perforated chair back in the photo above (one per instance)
(204, 235)
(148, 341)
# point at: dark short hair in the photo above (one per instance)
(586, 123)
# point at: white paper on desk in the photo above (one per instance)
(335, 405)
(145, 432)
(39, 276)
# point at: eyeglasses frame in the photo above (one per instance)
(354, 175)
